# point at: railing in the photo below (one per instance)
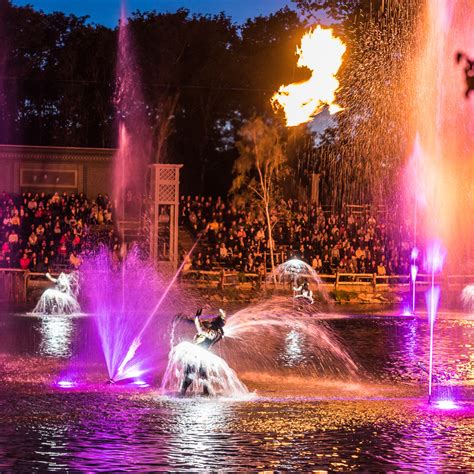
(222, 278)
(15, 283)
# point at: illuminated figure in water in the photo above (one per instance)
(209, 332)
(62, 283)
(62, 299)
(303, 291)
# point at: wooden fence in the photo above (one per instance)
(15, 283)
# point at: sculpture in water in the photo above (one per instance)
(62, 299)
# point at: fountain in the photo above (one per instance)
(293, 273)
(270, 337)
(62, 299)
(413, 275)
(467, 297)
(440, 167)
(134, 140)
(434, 262)
(125, 302)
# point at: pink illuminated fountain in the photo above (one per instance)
(434, 261)
(441, 165)
(441, 168)
(125, 300)
(134, 137)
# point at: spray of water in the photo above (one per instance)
(62, 299)
(273, 336)
(121, 300)
(220, 379)
(434, 261)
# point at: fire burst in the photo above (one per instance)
(321, 52)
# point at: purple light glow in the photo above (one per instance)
(141, 383)
(432, 301)
(446, 405)
(413, 272)
(66, 384)
(122, 301)
(434, 257)
(414, 253)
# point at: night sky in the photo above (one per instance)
(107, 11)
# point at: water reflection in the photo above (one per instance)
(197, 441)
(56, 336)
(103, 428)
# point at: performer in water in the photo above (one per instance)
(209, 332)
(303, 291)
(60, 282)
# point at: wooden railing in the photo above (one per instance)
(223, 278)
(15, 283)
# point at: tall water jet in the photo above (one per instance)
(441, 168)
(434, 261)
(134, 140)
(442, 165)
(413, 275)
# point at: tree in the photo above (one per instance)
(259, 170)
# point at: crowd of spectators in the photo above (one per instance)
(350, 242)
(45, 232)
(42, 232)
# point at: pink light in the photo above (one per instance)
(446, 405)
(66, 384)
(434, 258)
(414, 272)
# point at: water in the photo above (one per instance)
(220, 379)
(134, 140)
(131, 306)
(62, 299)
(442, 124)
(376, 420)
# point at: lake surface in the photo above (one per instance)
(377, 418)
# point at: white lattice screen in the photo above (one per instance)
(164, 185)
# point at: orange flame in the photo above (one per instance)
(321, 52)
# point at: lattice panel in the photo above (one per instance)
(166, 193)
(167, 174)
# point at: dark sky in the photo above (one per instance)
(107, 11)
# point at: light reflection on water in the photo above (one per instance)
(144, 432)
(377, 423)
(56, 334)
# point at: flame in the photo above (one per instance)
(321, 52)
